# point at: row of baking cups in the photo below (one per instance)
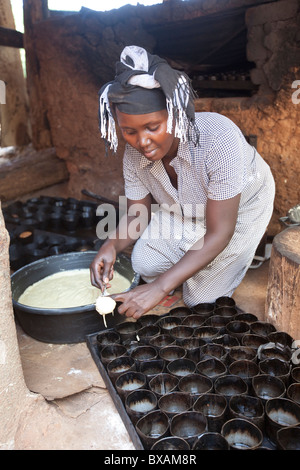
(27, 246)
(46, 212)
(206, 378)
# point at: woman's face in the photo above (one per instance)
(148, 134)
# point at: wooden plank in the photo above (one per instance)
(224, 84)
(27, 170)
(11, 38)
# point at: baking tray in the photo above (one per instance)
(92, 345)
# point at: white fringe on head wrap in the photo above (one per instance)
(178, 102)
(107, 122)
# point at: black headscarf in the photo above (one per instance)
(145, 83)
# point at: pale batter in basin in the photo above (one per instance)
(68, 289)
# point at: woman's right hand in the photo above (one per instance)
(102, 267)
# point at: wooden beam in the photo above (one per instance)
(26, 170)
(11, 38)
(224, 85)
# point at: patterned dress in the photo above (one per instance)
(222, 166)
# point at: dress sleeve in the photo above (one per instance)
(134, 188)
(225, 166)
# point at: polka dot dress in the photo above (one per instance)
(222, 166)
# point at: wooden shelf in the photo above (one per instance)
(223, 85)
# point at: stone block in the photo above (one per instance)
(256, 52)
(279, 64)
(281, 34)
(275, 11)
(255, 48)
(257, 76)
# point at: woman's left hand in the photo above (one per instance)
(139, 300)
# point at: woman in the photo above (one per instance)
(214, 191)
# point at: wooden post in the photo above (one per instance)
(283, 292)
(35, 11)
(14, 116)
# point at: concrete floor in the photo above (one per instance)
(76, 411)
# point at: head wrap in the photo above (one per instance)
(145, 83)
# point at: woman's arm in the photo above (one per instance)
(221, 219)
(138, 216)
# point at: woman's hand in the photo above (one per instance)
(102, 267)
(139, 300)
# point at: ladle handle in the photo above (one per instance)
(99, 198)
